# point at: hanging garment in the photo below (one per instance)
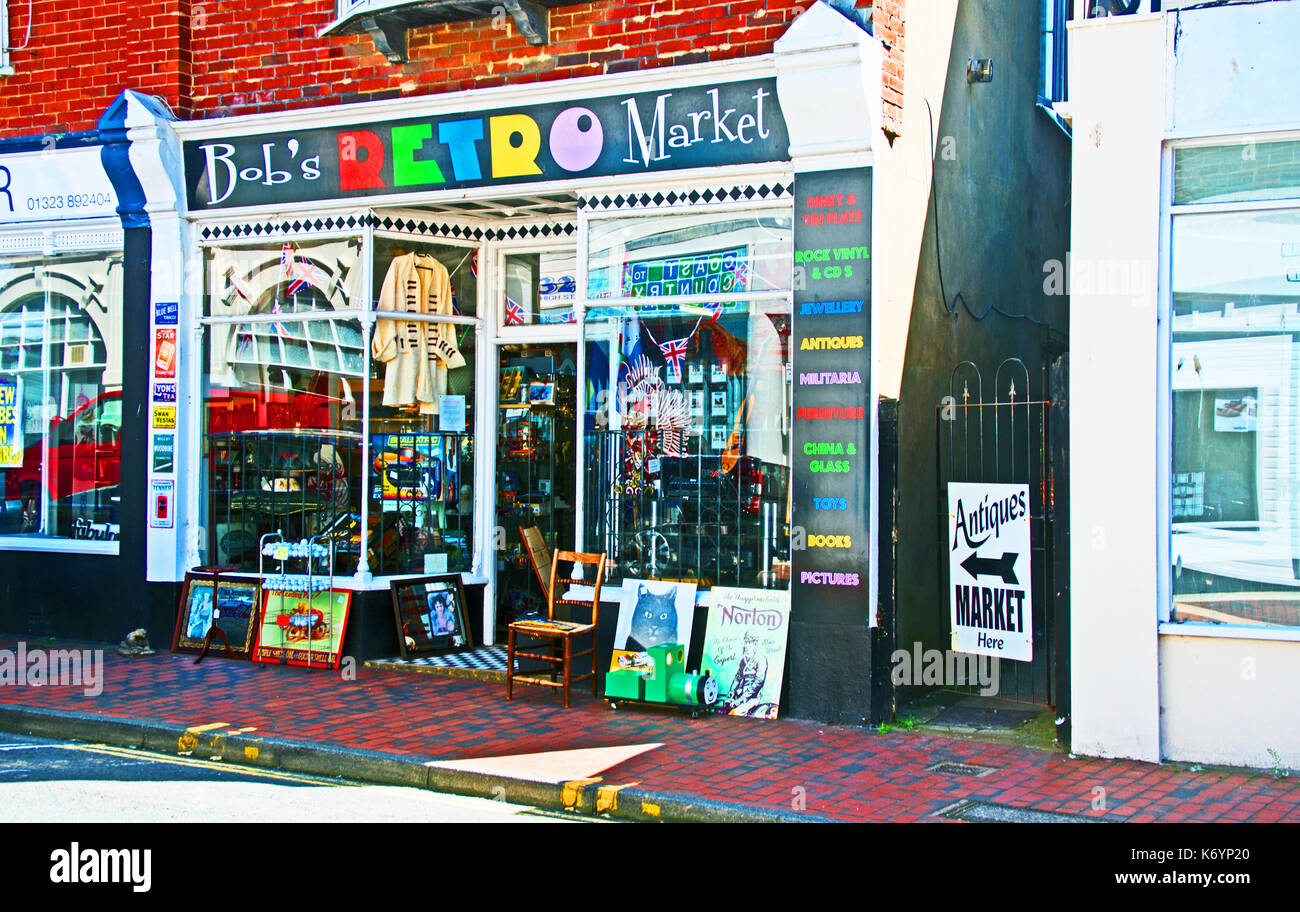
(418, 354)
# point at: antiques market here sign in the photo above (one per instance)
(729, 123)
(989, 570)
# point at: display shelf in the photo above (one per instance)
(302, 624)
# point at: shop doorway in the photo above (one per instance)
(535, 470)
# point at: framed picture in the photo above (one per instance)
(718, 403)
(512, 387)
(696, 398)
(718, 436)
(302, 629)
(695, 373)
(234, 610)
(541, 392)
(430, 614)
(716, 373)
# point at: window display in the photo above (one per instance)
(688, 398)
(1235, 536)
(286, 382)
(61, 396)
(422, 409)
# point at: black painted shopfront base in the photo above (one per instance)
(830, 673)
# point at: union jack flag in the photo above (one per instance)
(674, 351)
(306, 276)
(279, 327)
(514, 314)
(286, 259)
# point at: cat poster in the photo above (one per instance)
(744, 648)
(649, 613)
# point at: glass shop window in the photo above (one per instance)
(283, 393)
(422, 409)
(61, 396)
(687, 399)
(1235, 381)
(540, 288)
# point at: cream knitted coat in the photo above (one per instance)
(418, 354)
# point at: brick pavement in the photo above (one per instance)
(840, 772)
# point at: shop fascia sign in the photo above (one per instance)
(730, 123)
(55, 184)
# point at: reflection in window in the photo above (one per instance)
(1236, 418)
(687, 446)
(60, 393)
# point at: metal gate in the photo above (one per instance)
(1002, 434)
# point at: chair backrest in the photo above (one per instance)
(538, 554)
(561, 585)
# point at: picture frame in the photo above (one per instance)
(695, 373)
(718, 436)
(541, 392)
(718, 403)
(696, 400)
(430, 615)
(317, 644)
(717, 374)
(238, 603)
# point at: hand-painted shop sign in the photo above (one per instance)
(699, 126)
(989, 570)
(831, 474)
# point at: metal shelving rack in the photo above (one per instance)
(308, 551)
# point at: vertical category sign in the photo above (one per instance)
(831, 474)
(989, 570)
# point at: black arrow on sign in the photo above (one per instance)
(1005, 566)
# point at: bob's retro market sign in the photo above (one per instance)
(699, 126)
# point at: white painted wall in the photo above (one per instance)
(1117, 85)
(1229, 701)
(1235, 67)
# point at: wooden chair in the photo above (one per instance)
(559, 632)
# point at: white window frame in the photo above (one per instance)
(1164, 378)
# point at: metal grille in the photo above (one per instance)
(699, 517)
(1004, 439)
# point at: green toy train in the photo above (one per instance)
(667, 682)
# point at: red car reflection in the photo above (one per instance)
(84, 451)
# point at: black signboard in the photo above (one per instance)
(831, 436)
(728, 123)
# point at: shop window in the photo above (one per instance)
(284, 386)
(539, 287)
(1235, 387)
(286, 434)
(687, 400)
(60, 396)
(421, 390)
(1239, 172)
(1053, 46)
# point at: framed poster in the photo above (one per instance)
(696, 400)
(695, 373)
(302, 629)
(718, 403)
(430, 614)
(234, 610)
(744, 648)
(651, 612)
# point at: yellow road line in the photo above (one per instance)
(199, 729)
(127, 753)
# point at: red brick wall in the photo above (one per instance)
(209, 58)
(887, 25)
(81, 55)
